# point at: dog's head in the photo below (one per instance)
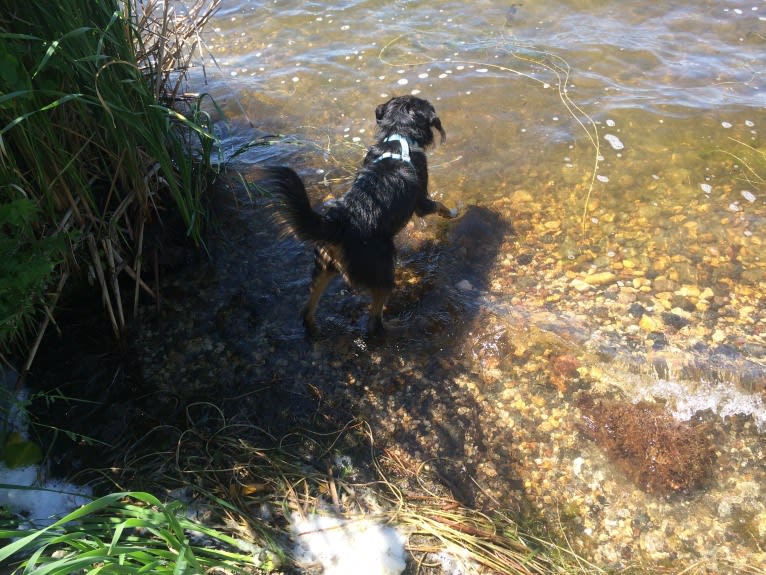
(410, 117)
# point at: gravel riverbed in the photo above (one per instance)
(519, 345)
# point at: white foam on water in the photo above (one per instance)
(348, 547)
(41, 504)
(686, 398)
(39, 500)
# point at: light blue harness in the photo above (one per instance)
(404, 156)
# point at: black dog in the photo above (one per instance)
(354, 235)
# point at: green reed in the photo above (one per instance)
(126, 533)
(97, 140)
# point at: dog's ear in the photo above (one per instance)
(380, 111)
(428, 113)
(437, 123)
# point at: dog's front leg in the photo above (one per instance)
(427, 206)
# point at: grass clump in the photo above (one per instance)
(131, 532)
(96, 142)
(263, 485)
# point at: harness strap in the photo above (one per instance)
(404, 156)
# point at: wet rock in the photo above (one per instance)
(521, 197)
(627, 295)
(564, 371)
(675, 320)
(552, 225)
(636, 310)
(629, 264)
(490, 345)
(683, 303)
(663, 284)
(580, 285)
(648, 324)
(718, 336)
(600, 278)
(525, 258)
(658, 340)
(689, 291)
(753, 276)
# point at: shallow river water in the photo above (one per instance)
(606, 279)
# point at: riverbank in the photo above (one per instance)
(496, 404)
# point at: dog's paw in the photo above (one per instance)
(446, 212)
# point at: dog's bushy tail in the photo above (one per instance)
(291, 205)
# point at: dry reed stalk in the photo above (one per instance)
(113, 280)
(170, 40)
(41, 332)
(137, 275)
(105, 297)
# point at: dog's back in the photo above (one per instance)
(382, 198)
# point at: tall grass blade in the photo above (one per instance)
(93, 132)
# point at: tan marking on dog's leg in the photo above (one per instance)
(318, 286)
(379, 299)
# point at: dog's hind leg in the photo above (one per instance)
(321, 277)
(379, 299)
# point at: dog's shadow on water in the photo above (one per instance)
(417, 383)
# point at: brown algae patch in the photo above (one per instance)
(657, 452)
